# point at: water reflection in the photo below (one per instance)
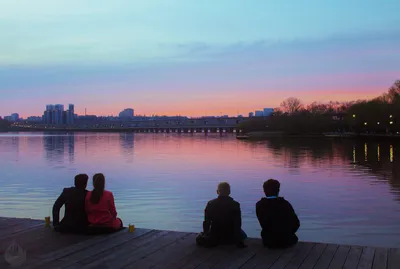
(345, 191)
(54, 148)
(379, 157)
(127, 145)
(71, 148)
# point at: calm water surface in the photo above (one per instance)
(344, 191)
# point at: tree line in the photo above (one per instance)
(4, 124)
(378, 115)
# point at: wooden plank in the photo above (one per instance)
(353, 258)
(19, 227)
(179, 260)
(162, 256)
(38, 241)
(327, 257)
(236, 258)
(394, 258)
(300, 256)
(58, 254)
(219, 253)
(122, 250)
(21, 239)
(287, 255)
(263, 257)
(193, 259)
(97, 249)
(381, 259)
(367, 257)
(313, 257)
(136, 251)
(340, 257)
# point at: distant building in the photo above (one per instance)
(259, 113)
(55, 114)
(34, 118)
(251, 114)
(70, 114)
(14, 117)
(268, 112)
(127, 113)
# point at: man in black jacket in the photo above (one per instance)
(277, 218)
(222, 220)
(75, 219)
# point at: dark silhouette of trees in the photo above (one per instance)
(379, 115)
(4, 124)
(291, 105)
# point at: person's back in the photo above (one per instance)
(73, 198)
(222, 220)
(100, 206)
(100, 213)
(223, 214)
(277, 218)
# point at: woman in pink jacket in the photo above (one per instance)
(100, 206)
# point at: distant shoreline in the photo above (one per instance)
(244, 136)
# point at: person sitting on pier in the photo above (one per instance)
(277, 218)
(222, 220)
(75, 219)
(100, 208)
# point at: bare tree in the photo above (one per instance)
(317, 108)
(291, 105)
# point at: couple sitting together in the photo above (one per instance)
(86, 211)
(223, 221)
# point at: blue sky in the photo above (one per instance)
(193, 57)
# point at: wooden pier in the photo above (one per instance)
(147, 248)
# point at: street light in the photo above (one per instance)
(391, 122)
(391, 116)
(365, 123)
(378, 123)
(354, 115)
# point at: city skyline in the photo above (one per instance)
(194, 58)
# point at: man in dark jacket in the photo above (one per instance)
(277, 218)
(75, 219)
(222, 220)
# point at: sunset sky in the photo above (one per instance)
(193, 57)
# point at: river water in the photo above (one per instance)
(344, 191)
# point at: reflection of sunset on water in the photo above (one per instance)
(335, 185)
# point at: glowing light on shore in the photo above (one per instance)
(365, 152)
(379, 153)
(391, 154)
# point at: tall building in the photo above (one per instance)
(59, 114)
(259, 113)
(127, 113)
(268, 112)
(70, 114)
(251, 114)
(55, 114)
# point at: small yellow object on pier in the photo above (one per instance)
(131, 228)
(47, 221)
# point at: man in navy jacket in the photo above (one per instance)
(277, 218)
(75, 218)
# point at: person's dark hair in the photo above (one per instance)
(81, 180)
(98, 188)
(271, 187)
